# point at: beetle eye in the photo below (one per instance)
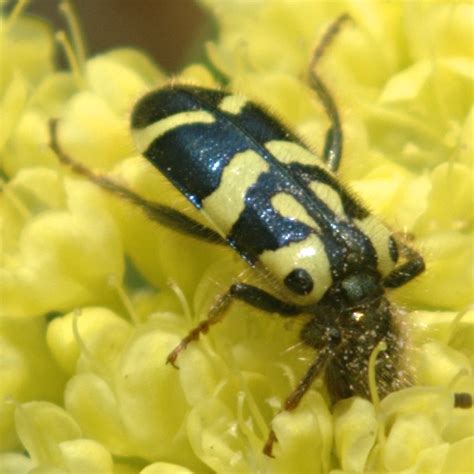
(299, 281)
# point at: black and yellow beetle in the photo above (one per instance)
(325, 257)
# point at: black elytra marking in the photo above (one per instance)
(193, 157)
(264, 127)
(260, 227)
(172, 100)
(299, 281)
(308, 174)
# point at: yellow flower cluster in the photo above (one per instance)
(87, 311)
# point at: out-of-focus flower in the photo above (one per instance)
(87, 386)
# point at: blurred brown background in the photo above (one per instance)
(169, 30)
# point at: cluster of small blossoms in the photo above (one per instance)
(87, 311)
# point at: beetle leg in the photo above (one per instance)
(263, 300)
(249, 294)
(293, 400)
(216, 313)
(407, 271)
(164, 215)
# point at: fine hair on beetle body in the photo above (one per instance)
(323, 256)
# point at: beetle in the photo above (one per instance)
(267, 195)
